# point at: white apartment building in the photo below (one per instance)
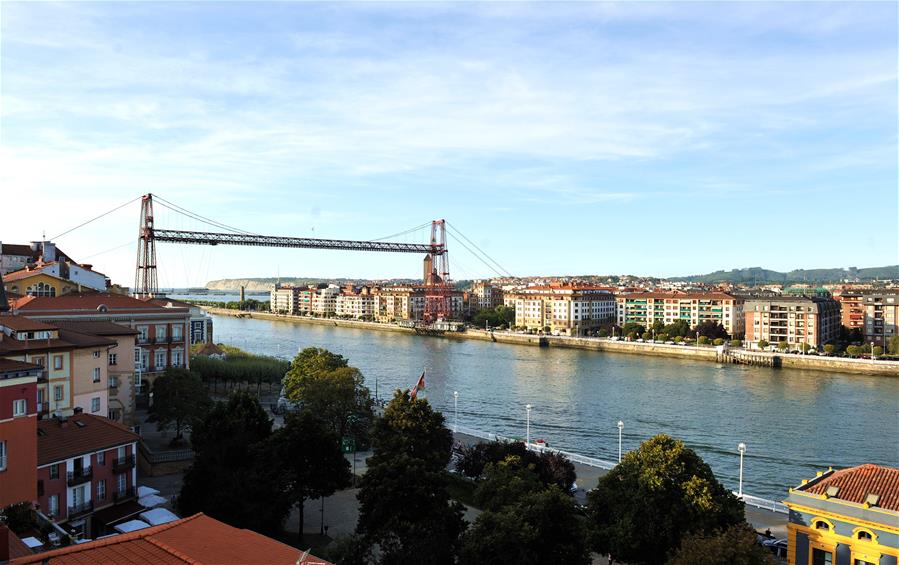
(566, 310)
(646, 308)
(357, 305)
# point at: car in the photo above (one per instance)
(669, 342)
(639, 340)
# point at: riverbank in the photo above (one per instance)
(811, 362)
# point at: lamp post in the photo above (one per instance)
(620, 429)
(527, 440)
(742, 450)
(455, 411)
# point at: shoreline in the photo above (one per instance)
(791, 361)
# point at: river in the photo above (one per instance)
(793, 422)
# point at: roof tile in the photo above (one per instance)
(856, 483)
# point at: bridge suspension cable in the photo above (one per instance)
(501, 270)
(68, 231)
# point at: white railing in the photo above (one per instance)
(749, 500)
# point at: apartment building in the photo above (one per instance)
(18, 430)
(199, 322)
(161, 339)
(359, 305)
(85, 464)
(485, 295)
(881, 316)
(646, 308)
(14, 257)
(852, 309)
(796, 320)
(283, 300)
(566, 310)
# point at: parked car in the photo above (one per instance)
(639, 340)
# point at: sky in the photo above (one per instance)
(642, 138)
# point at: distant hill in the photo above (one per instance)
(758, 275)
(267, 283)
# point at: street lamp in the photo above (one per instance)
(620, 429)
(742, 449)
(527, 440)
(455, 411)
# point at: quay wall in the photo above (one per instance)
(812, 362)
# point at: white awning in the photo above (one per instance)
(130, 526)
(146, 491)
(32, 542)
(151, 501)
(158, 516)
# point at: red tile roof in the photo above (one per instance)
(23, 324)
(681, 295)
(28, 272)
(198, 539)
(94, 327)
(856, 483)
(59, 441)
(7, 365)
(87, 303)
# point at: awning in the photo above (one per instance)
(113, 514)
(158, 516)
(146, 491)
(131, 526)
(32, 542)
(151, 501)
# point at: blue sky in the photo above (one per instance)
(644, 138)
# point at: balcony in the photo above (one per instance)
(79, 476)
(123, 495)
(122, 464)
(79, 509)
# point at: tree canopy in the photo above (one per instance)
(711, 329)
(642, 508)
(179, 400)
(736, 544)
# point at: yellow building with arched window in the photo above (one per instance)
(845, 517)
(36, 283)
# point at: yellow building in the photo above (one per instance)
(845, 517)
(36, 283)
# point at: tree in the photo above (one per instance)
(309, 459)
(736, 343)
(555, 469)
(783, 345)
(602, 332)
(763, 344)
(878, 351)
(662, 336)
(642, 508)
(658, 326)
(632, 327)
(632, 336)
(804, 347)
(542, 527)
(232, 478)
(830, 348)
(505, 483)
(678, 328)
(854, 350)
(711, 329)
(19, 517)
(893, 346)
(404, 507)
(179, 400)
(324, 385)
(736, 544)
(703, 340)
(718, 341)
(647, 336)
(551, 468)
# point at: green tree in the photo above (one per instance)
(632, 336)
(647, 336)
(878, 351)
(323, 384)
(542, 527)
(736, 544)
(703, 340)
(19, 517)
(711, 329)
(662, 336)
(505, 483)
(763, 344)
(736, 343)
(642, 508)
(179, 400)
(404, 507)
(718, 341)
(602, 332)
(830, 348)
(783, 345)
(854, 350)
(232, 478)
(632, 327)
(893, 345)
(804, 347)
(678, 328)
(309, 459)
(658, 326)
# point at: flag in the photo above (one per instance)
(420, 385)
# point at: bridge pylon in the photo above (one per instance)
(146, 283)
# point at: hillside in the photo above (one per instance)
(758, 275)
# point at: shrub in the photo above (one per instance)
(853, 350)
(783, 345)
(763, 344)
(830, 348)
(703, 340)
(736, 343)
(632, 336)
(718, 341)
(662, 337)
(878, 351)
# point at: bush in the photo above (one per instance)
(830, 348)
(736, 343)
(679, 339)
(854, 350)
(647, 336)
(718, 341)
(703, 340)
(632, 336)
(662, 337)
(763, 344)
(602, 333)
(783, 345)
(878, 351)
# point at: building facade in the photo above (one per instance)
(563, 310)
(485, 295)
(881, 316)
(85, 464)
(18, 430)
(794, 320)
(845, 517)
(646, 308)
(852, 309)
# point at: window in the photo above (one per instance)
(101, 458)
(160, 333)
(19, 407)
(97, 354)
(53, 505)
(95, 404)
(177, 330)
(113, 381)
(113, 357)
(54, 471)
(57, 362)
(96, 374)
(123, 484)
(160, 359)
(120, 453)
(2, 455)
(57, 392)
(864, 535)
(862, 562)
(821, 525)
(101, 489)
(40, 360)
(821, 557)
(176, 358)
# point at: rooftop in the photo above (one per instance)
(88, 303)
(675, 295)
(23, 324)
(95, 327)
(8, 366)
(82, 433)
(197, 539)
(856, 483)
